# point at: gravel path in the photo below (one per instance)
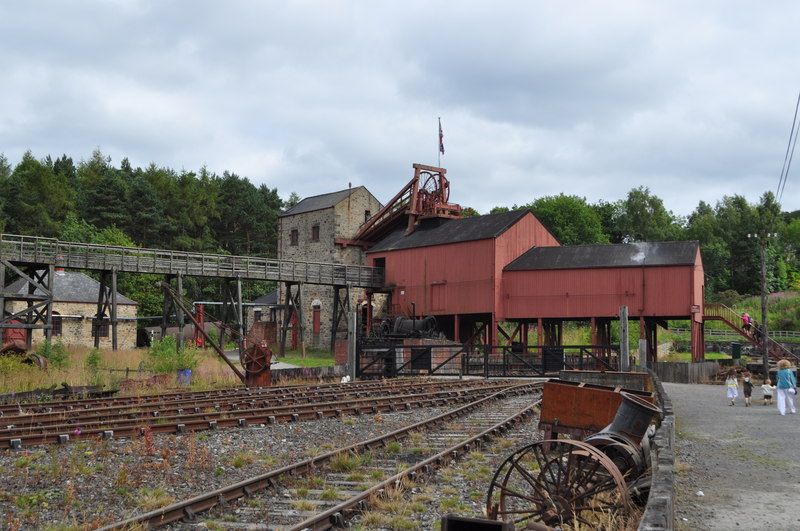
(746, 461)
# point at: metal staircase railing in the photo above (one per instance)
(720, 312)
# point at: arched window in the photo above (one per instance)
(56, 321)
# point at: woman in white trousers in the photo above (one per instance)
(787, 382)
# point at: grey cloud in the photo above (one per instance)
(692, 100)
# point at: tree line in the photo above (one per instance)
(95, 201)
(100, 202)
(726, 232)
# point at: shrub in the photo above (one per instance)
(165, 357)
(55, 354)
(93, 366)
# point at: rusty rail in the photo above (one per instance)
(196, 420)
(189, 508)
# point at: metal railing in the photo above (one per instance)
(392, 358)
(36, 250)
(731, 333)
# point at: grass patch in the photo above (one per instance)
(150, 499)
(303, 505)
(329, 494)
(345, 462)
(87, 367)
(393, 448)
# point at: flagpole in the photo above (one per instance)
(439, 144)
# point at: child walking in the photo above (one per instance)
(786, 387)
(768, 390)
(732, 386)
(747, 386)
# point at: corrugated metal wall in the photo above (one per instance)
(442, 279)
(458, 278)
(512, 244)
(565, 293)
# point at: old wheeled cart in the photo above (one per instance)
(573, 482)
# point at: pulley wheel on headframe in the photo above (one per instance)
(571, 485)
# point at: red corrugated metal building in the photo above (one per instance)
(657, 281)
(452, 268)
(472, 273)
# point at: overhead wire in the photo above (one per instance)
(787, 159)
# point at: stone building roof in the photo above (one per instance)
(320, 202)
(71, 286)
(639, 254)
(268, 299)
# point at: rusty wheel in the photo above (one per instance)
(256, 358)
(571, 484)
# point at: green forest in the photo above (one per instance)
(97, 201)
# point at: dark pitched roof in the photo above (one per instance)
(442, 231)
(71, 286)
(268, 299)
(639, 254)
(320, 202)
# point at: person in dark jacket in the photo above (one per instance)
(747, 385)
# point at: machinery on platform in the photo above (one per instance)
(569, 481)
(408, 327)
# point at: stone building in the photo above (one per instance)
(74, 308)
(308, 232)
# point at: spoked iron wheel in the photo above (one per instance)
(569, 485)
(255, 359)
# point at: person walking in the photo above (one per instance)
(732, 386)
(746, 322)
(786, 384)
(747, 386)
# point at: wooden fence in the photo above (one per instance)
(676, 372)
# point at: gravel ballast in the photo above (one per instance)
(93, 483)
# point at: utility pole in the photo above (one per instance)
(762, 247)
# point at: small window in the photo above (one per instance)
(367, 215)
(315, 233)
(257, 316)
(56, 321)
(294, 236)
(99, 328)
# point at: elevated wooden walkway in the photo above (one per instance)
(48, 251)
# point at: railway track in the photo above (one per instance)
(161, 399)
(324, 491)
(199, 413)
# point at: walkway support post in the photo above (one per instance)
(341, 309)
(179, 311)
(624, 353)
(114, 336)
(352, 345)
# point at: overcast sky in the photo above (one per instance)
(694, 100)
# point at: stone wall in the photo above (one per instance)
(636, 381)
(340, 221)
(659, 513)
(76, 324)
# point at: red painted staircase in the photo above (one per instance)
(719, 312)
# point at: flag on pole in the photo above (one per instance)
(441, 138)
